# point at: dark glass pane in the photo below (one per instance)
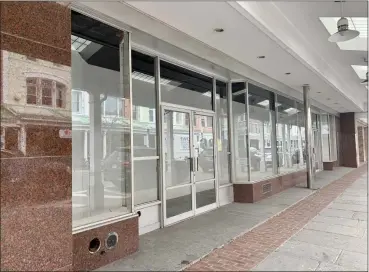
(59, 103)
(185, 87)
(46, 83)
(47, 101)
(31, 99)
(46, 92)
(31, 90)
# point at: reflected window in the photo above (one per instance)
(151, 115)
(135, 112)
(77, 102)
(45, 92)
(111, 106)
(31, 90)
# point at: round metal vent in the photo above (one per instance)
(94, 245)
(112, 240)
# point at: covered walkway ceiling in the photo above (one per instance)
(294, 40)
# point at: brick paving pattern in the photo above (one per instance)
(246, 251)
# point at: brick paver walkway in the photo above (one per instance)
(246, 251)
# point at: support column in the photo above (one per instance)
(308, 137)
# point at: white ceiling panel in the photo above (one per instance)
(244, 41)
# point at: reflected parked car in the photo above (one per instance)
(117, 165)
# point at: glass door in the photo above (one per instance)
(189, 184)
(178, 164)
(204, 159)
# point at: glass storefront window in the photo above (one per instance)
(332, 136)
(325, 137)
(287, 120)
(222, 132)
(263, 159)
(301, 134)
(240, 140)
(145, 153)
(101, 158)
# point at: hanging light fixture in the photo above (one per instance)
(344, 33)
(366, 80)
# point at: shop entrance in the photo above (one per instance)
(189, 183)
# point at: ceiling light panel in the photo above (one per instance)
(360, 70)
(78, 44)
(355, 23)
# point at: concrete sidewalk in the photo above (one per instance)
(174, 247)
(335, 240)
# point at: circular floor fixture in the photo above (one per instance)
(287, 73)
(94, 245)
(344, 33)
(261, 57)
(112, 240)
(219, 30)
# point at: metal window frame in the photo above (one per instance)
(125, 56)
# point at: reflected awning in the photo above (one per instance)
(16, 114)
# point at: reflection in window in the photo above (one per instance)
(135, 112)
(60, 95)
(77, 103)
(46, 92)
(261, 113)
(110, 106)
(325, 137)
(144, 129)
(287, 135)
(222, 132)
(332, 136)
(185, 87)
(301, 134)
(101, 165)
(239, 113)
(31, 91)
(151, 115)
(203, 121)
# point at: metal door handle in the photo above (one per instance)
(191, 164)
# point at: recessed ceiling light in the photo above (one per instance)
(318, 92)
(328, 99)
(261, 57)
(287, 73)
(219, 30)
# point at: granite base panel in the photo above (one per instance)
(84, 260)
(253, 192)
(328, 166)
